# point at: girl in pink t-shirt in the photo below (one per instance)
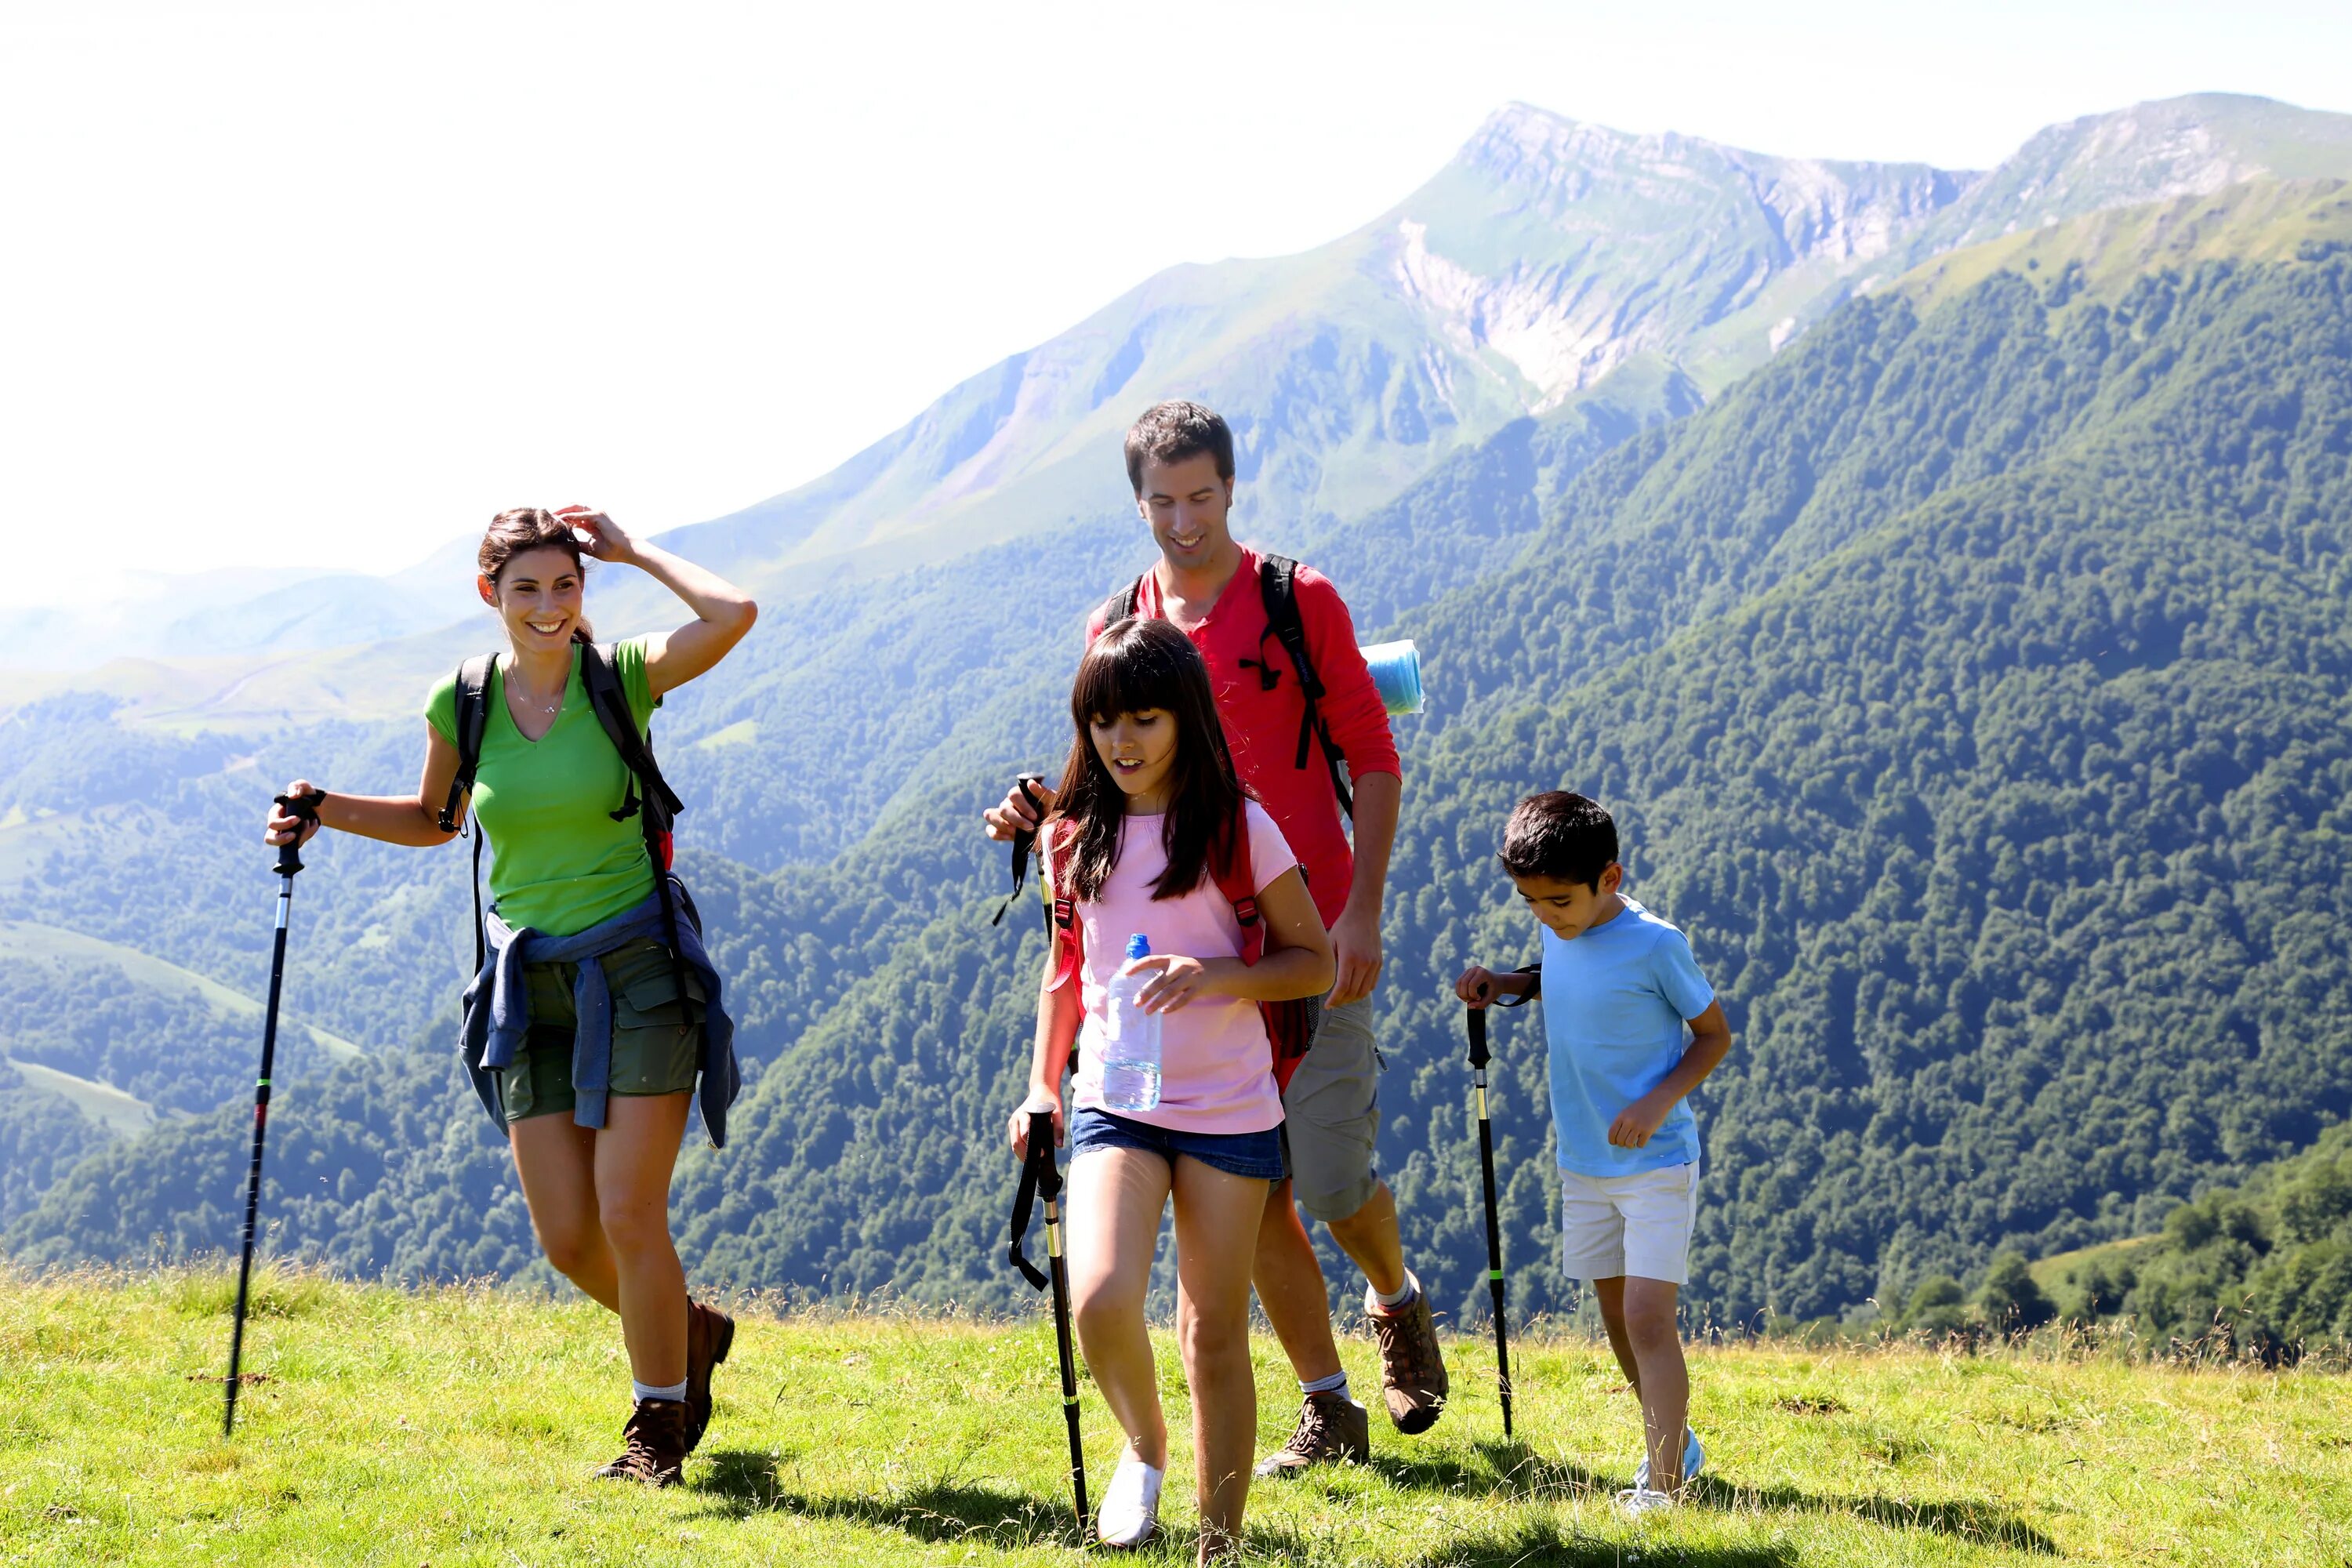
(1150, 815)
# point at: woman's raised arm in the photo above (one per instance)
(722, 611)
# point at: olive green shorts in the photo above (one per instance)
(653, 1051)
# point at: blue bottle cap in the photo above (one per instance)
(1139, 946)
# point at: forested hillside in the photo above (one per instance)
(1971, 686)
(1967, 679)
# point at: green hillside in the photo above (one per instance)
(457, 1427)
(2262, 1269)
(1967, 679)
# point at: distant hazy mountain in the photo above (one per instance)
(1549, 262)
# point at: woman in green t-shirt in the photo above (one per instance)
(576, 931)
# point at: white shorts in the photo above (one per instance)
(1638, 1224)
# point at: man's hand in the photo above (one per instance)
(1014, 814)
(1639, 1121)
(1356, 950)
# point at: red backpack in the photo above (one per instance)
(1289, 1025)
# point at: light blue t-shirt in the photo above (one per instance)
(1615, 998)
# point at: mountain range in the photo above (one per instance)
(1921, 562)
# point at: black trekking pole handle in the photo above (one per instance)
(1024, 842)
(1495, 1286)
(304, 808)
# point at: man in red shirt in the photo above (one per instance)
(1179, 458)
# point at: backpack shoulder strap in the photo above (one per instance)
(1121, 605)
(1277, 586)
(473, 712)
(601, 675)
(1236, 878)
(1067, 934)
(600, 672)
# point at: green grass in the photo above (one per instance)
(457, 1425)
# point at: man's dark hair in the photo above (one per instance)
(1561, 835)
(1172, 431)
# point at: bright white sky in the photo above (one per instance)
(308, 279)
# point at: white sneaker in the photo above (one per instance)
(1636, 1501)
(1693, 1461)
(1130, 1505)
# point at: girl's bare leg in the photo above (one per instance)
(1116, 1199)
(1217, 1219)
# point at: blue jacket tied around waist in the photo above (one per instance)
(497, 1010)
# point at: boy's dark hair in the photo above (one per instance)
(1562, 835)
(1172, 431)
(1136, 665)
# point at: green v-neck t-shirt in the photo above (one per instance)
(559, 863)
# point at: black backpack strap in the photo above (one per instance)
(470, 716)
(649, 798)
(1278, 584)
(1121, 605)
(610, 703)
(473, 712)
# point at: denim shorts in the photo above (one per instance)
(1256, 1155)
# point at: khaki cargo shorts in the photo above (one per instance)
(1331, 1115)
(653, 1050)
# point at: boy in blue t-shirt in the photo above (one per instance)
(1619, 988)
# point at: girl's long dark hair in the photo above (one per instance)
(1136, 665)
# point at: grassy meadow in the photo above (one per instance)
(457, 1427)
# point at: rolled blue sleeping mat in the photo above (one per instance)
(1396, 673)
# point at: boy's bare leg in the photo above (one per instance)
(1289, 1280)
(1611, 1294)
(1645, 1316)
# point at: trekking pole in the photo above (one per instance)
(290, 860)
(1478, 1059)
(1024, 843)
(1040, 1177)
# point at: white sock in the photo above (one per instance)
(642, 1391)
(1404, 1293)
(1335, 1384)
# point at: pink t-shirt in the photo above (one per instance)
(1216, 1067)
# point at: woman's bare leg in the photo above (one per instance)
(556, 1163)
(1217, 1219)
(635, 1154)
(1115, 1198)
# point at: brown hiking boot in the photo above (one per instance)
(655, 1435)
(1413, 1373)
(1331, 1427)
(710, 1334)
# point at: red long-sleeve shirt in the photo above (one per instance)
(1262, 725)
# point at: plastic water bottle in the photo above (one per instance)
(1130, 1051)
